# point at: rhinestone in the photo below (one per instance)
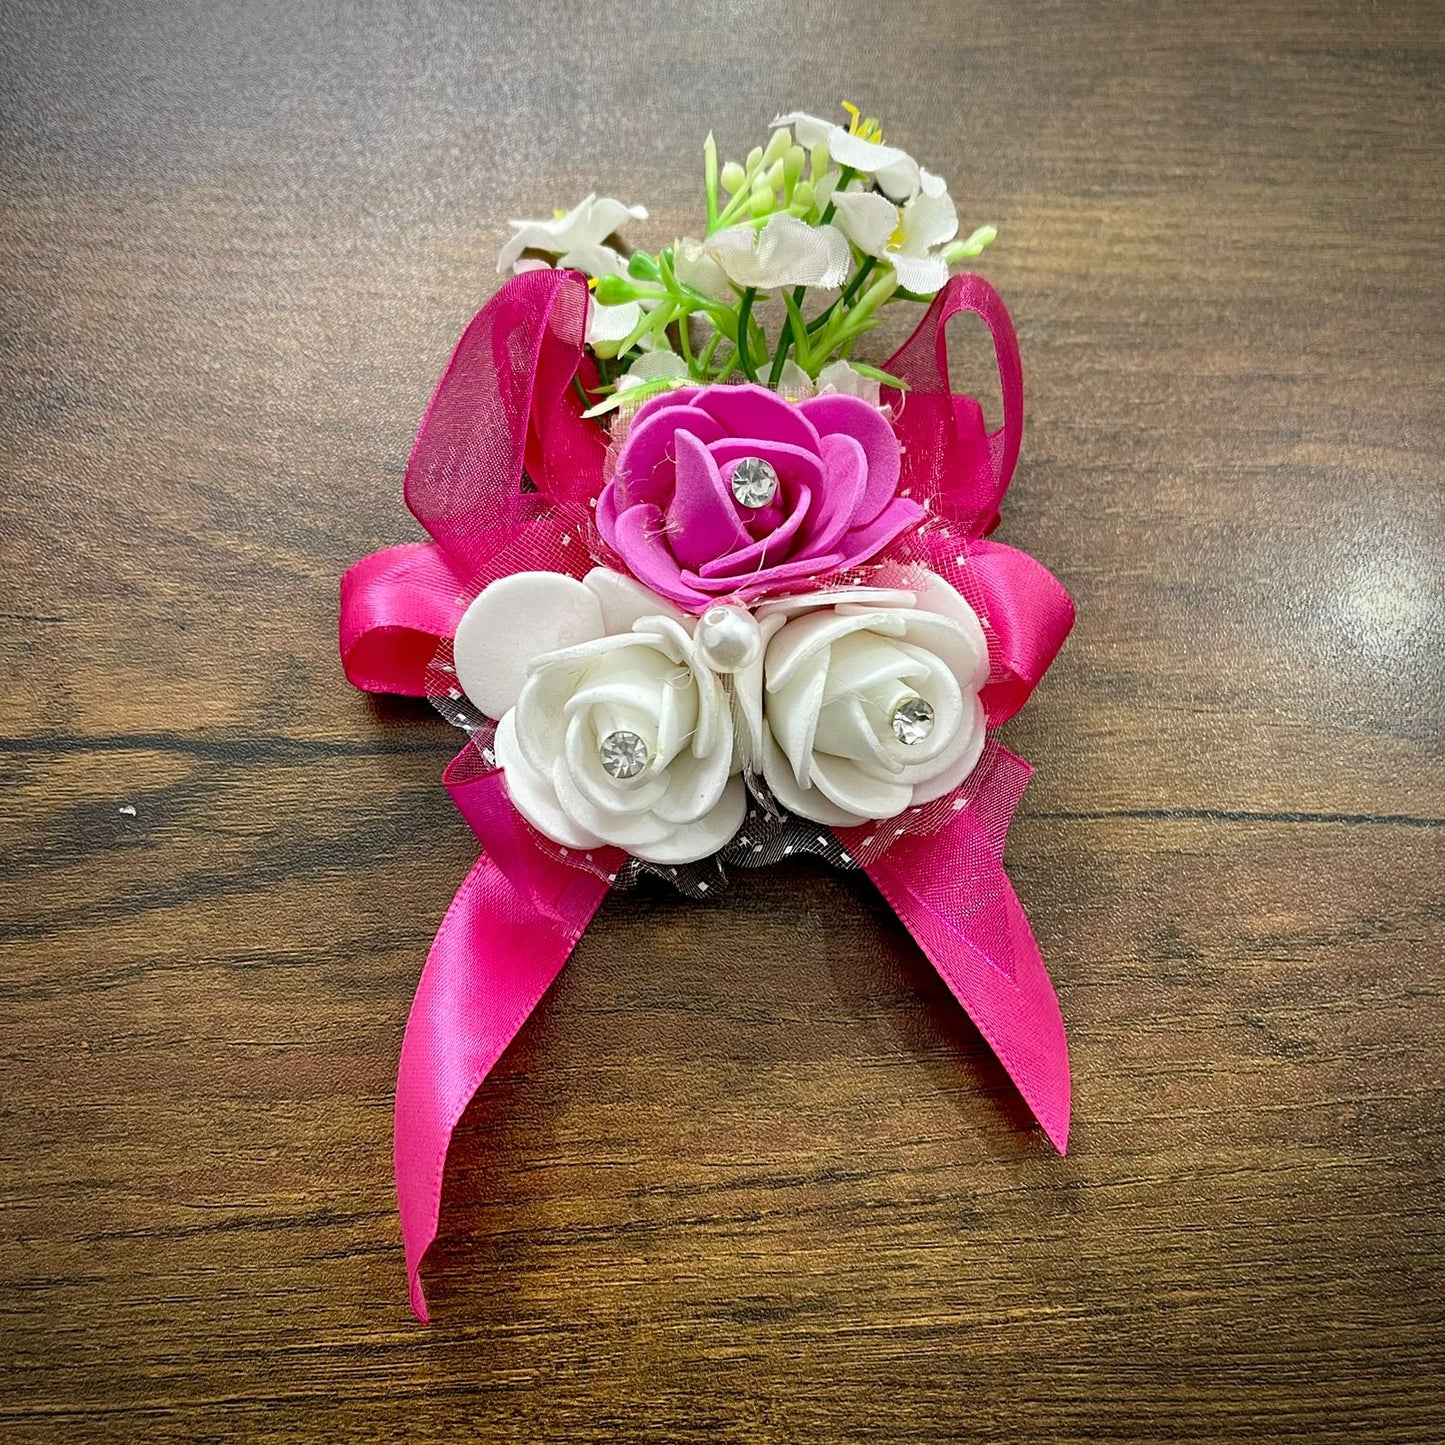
(754, 482)
(624, 754)
(912, 720)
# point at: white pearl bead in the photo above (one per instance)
(729, 638)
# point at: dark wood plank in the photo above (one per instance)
(747, 1175)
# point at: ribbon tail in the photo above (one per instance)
(950, 892)
(1018, 1016)
(494, 957)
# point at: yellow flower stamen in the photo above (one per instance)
(896, 239)
(559, 213)
(864, 128)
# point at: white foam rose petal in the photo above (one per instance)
(863, 659)
(583, 654)
(748, 694)
(816, 631)
(539, 717)
(947, 640)
(623, 830)
(713, 716)
(702, 838)
(623, 599)
(855, 720)
(532, 794)
(942, 598)
(792, 709)
(678, 712)
(675, 641)
(628, 679)
(961, 760)
(784, 251)
(786, 607)
(806, 802)
(845, 730)
(843, 782)
(511, 623)
(695, 784)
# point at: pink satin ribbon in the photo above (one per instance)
(506, 402)
(950, 892)
(948, 452)
(496, 953)
(395, 605)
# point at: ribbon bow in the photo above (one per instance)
(506, 407)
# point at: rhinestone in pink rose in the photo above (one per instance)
(689, 508)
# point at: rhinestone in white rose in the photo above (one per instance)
(613, 728)
(865, 702)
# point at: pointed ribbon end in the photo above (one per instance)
(418, 1299)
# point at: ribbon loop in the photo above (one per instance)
(1029, 614)
(396, 607)
(948, 453)
(505, 402)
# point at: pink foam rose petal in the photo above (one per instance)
(863, 542)
(754, 556)
(651, 449)
(838, 503)
(805, 569)
(653, 566)
(665, 399)
(853, 417)
(754, 411)
(702, 518)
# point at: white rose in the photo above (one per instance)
(612, 729)
(869, 700)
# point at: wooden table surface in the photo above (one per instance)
(748, 1175)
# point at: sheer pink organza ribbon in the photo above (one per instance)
(505, 408)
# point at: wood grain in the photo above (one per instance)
(747, 1175)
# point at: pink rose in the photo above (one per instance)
(731, 491)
